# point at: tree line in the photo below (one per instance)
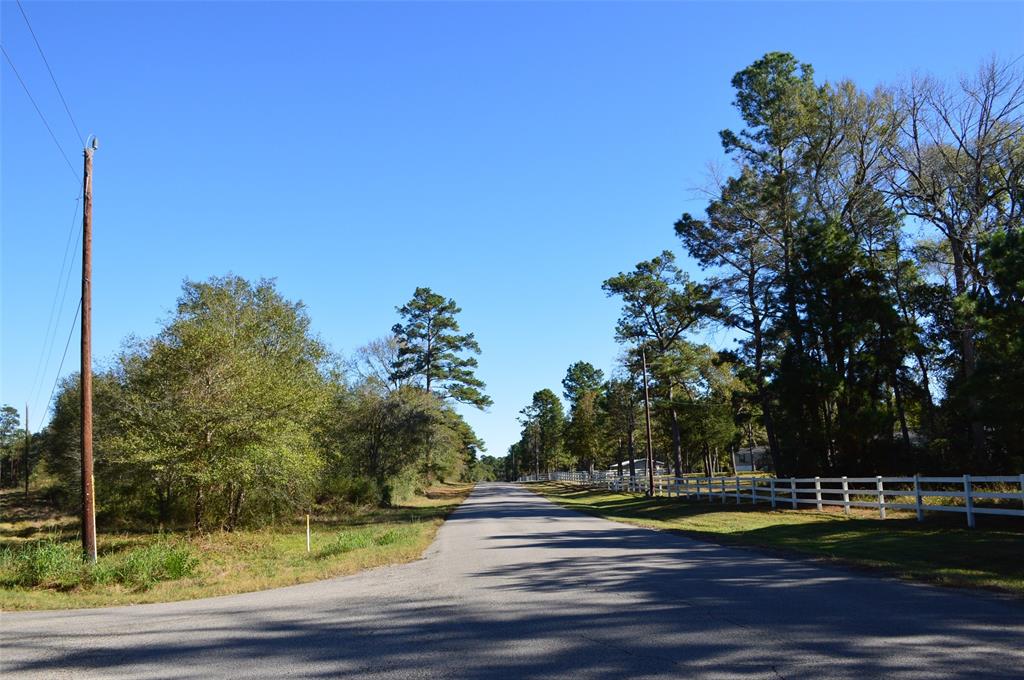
(236, 412)
(866, 254)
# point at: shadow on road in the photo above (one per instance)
(557, 594)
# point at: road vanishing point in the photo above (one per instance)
(515, 586)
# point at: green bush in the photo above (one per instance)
(394, 535)
(47, 563)
(347, 541)
(143, 567)
(52, 564)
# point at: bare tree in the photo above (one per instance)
(373, 361)
(959, 167)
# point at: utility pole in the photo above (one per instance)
(647, 413)
(88, 492)
(28, 443)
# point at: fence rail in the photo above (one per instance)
(880, 493)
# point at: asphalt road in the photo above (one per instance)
(516, 587)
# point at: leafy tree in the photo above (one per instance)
(10, 422)
(432, 348)
(620, 413)
(379, 434)
(543, 427)
(999, 382)
(582, 385)
(660, 303)
(224, 398)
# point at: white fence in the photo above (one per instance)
(919, 494)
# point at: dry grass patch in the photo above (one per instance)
(40, 568)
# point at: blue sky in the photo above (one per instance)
(511, 156)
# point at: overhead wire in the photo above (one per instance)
(10, 63)
(67, 262)
(53, 323)
(50, 70)
(64, 356)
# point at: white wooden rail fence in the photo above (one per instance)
(881, 493)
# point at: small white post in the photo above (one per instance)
(817, 491)
(969, 501)
(917, 498)
(307, 532)
(881, 497)
(771, 483)
(737, 490)
(846, 497)
(792, 492)
(723, 490)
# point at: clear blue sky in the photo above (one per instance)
(511, 156)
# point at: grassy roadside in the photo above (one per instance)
(39, 569)
(940, 550)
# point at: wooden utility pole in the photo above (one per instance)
(28, 443)
(647, 413)
(88, 492)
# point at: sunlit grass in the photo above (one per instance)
(40, 568)
(939, 550)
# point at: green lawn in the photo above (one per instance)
(939, 550)
(40, 566)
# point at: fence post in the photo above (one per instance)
(792, 492)
(753, 491)
(969, 500)
(737, 490)
(917, 498)
(817, 491)
(846, 497)
(881, 496)
(723, 490)
(1022, 490)
(771, 482)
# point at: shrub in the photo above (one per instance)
(47, 563)
(394, 535)
(345, 542)
(143, 567)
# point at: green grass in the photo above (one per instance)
(939, 550)
(41, 567)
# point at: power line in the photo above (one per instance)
(41, 116)
(46, 348)
(52, 77)
(56, 380)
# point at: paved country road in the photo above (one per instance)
(516, 587)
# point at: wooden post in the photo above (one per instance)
(792, 492)
(881, 497)
(817, 492)
(307, 533)
(28, 445)
(723, 490)
(647, 413)
(917, 498)
(753, 491)
(1022, 490)
(771, 482)
(737, 490)
(969, 501)
(846, 497)
(88, 490)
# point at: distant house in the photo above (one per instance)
(622, 467)
(752, 459)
